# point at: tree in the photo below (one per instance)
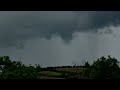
(38, 67)
(1, 60)
(17, 70)
(104, 68)
(87, 65)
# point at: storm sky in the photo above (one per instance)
(52, 38)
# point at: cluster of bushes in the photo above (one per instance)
(17, 70)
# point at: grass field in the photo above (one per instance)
(61, 73)
(50, 73)
(71, 70)
(46, 77)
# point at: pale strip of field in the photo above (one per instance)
(46, 77)
(71, 70)
(50, 73)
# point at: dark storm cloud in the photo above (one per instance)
(99, 19)
(17, 27)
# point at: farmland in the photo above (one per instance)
(62, 73)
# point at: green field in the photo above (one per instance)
(46, 77)
(50, 73)
(62, 73)
(71, 70)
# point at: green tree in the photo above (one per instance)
(87, 65)
(103, 68)
(17, 70)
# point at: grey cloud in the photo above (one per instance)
(99, 19)
(18, 26)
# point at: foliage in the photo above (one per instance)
(87, 65)
(16, 70)
(103, 68)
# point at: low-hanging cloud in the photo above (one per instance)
(55, 52)
(16, 27)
